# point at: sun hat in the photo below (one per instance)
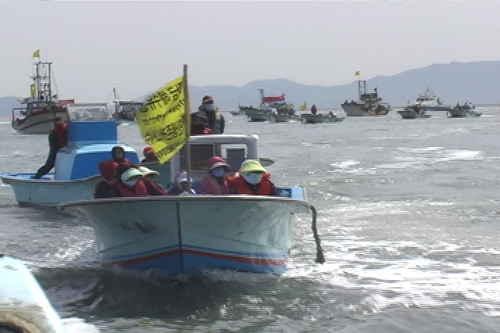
(147, 171)
(252, 166)
(216, 162)
(131, 173)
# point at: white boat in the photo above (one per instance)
(36, 117)
(465, 110)
(125, 109)
(368, 104)
(413, 112)
(308, 118)
(270, 106)
(24, 307)
(428, 101)
(91, 134)
(187, 235)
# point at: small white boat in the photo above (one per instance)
(24, 307)
(186, 235)
(124, 109)
(280, 117)
(368, 104)
(466, 110)
(91, 134)
(308, 118)
(37, 116)
(413, 112)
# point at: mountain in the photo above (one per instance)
(476, 82)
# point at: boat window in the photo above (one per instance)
(88, 112)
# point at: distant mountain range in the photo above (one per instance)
(476, 82)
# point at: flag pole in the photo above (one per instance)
(187, 122)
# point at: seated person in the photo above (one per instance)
(149, 155)
(118, 156)
(215, 182)
(129, 182)
(181, 185)
(104, 189)
(149, 178)
(252, 178)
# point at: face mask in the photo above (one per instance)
(218, 172)
(209, 107)
(131, 182)
(252, 178)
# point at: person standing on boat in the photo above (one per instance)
(216, 181)
(314, 110)
(57, 140)
(214, 118)
(199, 124)
(252, 179)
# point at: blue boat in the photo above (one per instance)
(91, 134)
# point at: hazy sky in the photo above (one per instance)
(137, 46)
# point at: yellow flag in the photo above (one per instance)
(161, 119)
(303, 107)
(357, 73)
(36, 54)
(32, 90)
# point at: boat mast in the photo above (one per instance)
(42, 81)
(361, 89)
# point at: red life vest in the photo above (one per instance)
(139, 190)
(240, 186)
(60, 132)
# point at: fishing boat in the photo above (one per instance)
(280, 117)
(466, 110)
(24, 307)
(125, 109)
(258, 115)
(309, 118)
(188, 235)
(91, 134)
(269, 106)
(242, 110)
(38, 111)
(428, 101)
(413, 112)
(368, 104)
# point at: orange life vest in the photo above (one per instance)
(240, 186)
(139, 190)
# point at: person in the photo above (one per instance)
(118, 156)
(181, 185)
(129, 182)
(104, 188)
(214, 118)
(57, 140)
(149, 155)
(199, 124)
(314, 110)
(150, 180)
(215, 182)
(252, 178)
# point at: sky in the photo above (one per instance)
(137, 46)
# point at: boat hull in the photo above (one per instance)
(48, 192)
(24, 307)
(257, 115)
(319, 119)
(354, 109)
(188, 235)
(281, 118)
(39, 122)
(462, 113)
(410, 114)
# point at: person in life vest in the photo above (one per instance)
(149, 155)
(252, 178)
(57, 140)
(150, 179)
(118, 156)
(181, 186)
(214, 118)
(314, 110)
(104, 188)
(215, 182)
(130, 182)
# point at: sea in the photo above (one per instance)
(408, 218)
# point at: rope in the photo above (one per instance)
(320, 257)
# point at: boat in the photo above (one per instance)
(269, 106)
(125, 109)
(309, 118)
(38, 111)
(188, 235)
(465, 110)
(91, 134)
(242, 110)
(368, 104)
(280, 117)
(413, 112)
(257, 115)
(428, 101)
(24, 306)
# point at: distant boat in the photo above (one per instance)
(269, 106)
(430, 102)
(368, 104)
(465, 110)
(413, 112)
(308, 118)
(125, 109)
(37, 116)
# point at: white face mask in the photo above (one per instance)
(131, 182)
(253, 178)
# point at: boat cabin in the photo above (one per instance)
(91, 134)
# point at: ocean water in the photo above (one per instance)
(408, 216)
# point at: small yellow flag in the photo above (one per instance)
(357, 73)
(32, 90)
(161, 119)
(36, 54)
(303, 107)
